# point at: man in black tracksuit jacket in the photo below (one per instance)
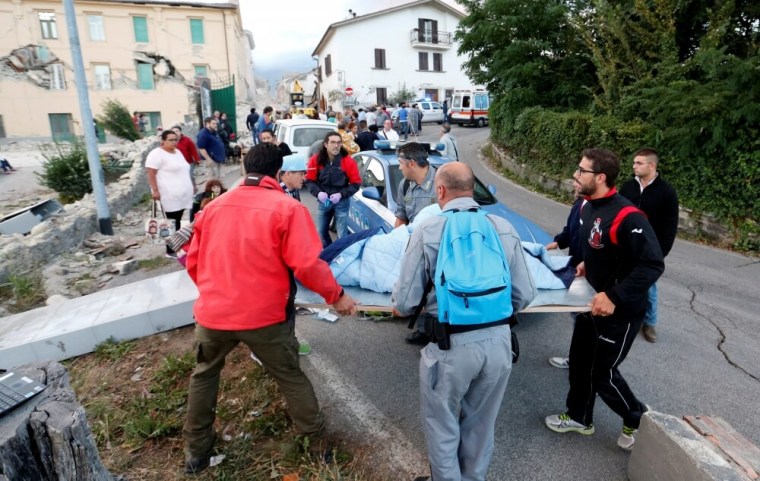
(621, 259)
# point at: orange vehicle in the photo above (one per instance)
(470, 107)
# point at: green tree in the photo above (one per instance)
(117, 120)
(402, 94)
(527, 53)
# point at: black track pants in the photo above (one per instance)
(597, 349)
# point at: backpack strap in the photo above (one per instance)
(621, 215)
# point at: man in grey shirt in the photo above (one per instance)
(415, 192)
(461, 388)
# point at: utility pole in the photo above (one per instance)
(90, 140)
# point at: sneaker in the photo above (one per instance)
(304, 348)
(171, 255)
(627, 438)
(253, 356)
(560, 362)
(561, 423)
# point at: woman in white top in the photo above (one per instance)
(169, 179)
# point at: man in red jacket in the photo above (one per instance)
(186, 145)
(248, 247)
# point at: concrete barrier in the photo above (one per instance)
(699, 448)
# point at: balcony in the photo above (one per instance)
(436, 40)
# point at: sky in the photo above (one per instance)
(286, 32)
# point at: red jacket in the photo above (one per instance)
(189, 150)
(336, 177)
(245, 245)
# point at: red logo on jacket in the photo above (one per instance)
(595, 238)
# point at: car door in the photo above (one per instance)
(365, 213)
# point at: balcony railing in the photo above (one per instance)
(430, 39)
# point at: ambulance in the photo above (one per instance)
(470, 107)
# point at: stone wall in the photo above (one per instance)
(79, 220)
(690, 223)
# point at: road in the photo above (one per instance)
(705, 362)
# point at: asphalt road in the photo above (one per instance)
(706, 361)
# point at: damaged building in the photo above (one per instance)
(150, 55)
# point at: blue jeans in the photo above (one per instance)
(325, 215)
(650, 318)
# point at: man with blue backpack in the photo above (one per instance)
(480, 277)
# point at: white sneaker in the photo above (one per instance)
(627, 438)
(560, 362)
(562, 423)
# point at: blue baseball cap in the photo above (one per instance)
(294, 163)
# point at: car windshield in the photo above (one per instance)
(305, 136)
(482, 195)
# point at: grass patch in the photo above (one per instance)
(112, 350)
(23, 291)
(153, 263)
(135, 396)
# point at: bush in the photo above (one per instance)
(66, 171)
(551, 142)
(117, 120)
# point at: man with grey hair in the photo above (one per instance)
(415, 192)
(449, 142)
(462, 387)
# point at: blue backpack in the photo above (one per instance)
(472, 280)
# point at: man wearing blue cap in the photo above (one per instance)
(292, 175)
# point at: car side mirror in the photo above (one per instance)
(371, 193)
(491, 189)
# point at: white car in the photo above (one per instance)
(431, 111)
(299, 134)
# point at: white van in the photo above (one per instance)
(470, 107)
(299, 134)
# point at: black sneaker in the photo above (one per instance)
(195, 466)
(417, 337)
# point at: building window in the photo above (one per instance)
(57, 80)
(427, 30)
(47, 24)
(102, 76)
(379, 58)
(438, 62)
(145, 76)
(382, 95)
(140, 25)
(196, 31)
(61, 127)
(201, 70)
(328, 66)
(97, 32)
(424, 61)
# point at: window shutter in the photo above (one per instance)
(435, 31)
(196, 31)
(141, 29)
(420, 29)
(423, 61)
(437, 61)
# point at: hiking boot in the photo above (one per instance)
(417, 337)
(560, 362)
(649, 333)
(627, 438)
(322, 448)
(195, 466)
(562, 423)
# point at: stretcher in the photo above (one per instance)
(573, 299)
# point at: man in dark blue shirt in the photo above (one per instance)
(211, 146)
